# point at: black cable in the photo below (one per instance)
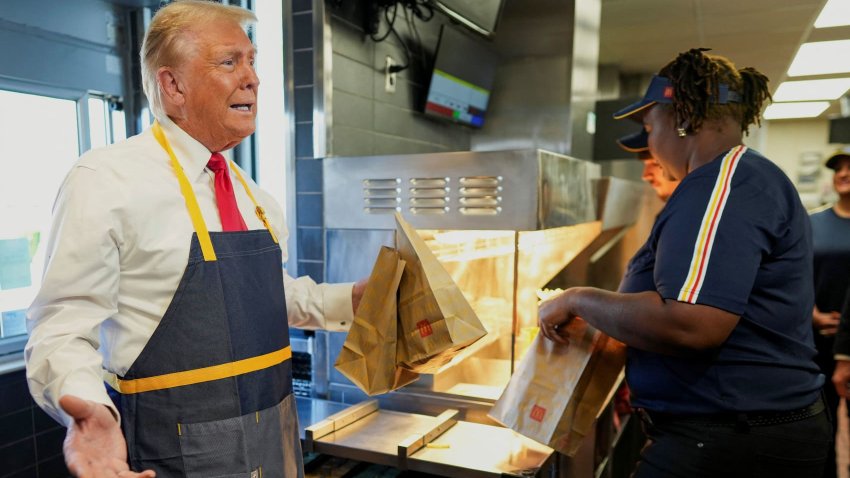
(422, 9)
(390, 24)
(411, 25)
(397, 68)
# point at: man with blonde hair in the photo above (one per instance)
(164, 270)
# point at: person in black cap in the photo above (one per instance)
(653, 174)
(831, 242)
(720, 347)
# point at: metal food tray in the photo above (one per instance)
(312, 410)
(441, 445)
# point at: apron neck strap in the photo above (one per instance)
(259, 211)
(188, 195)
(192, 203)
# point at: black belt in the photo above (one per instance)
(742, 420)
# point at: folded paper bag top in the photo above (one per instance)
(435, 319)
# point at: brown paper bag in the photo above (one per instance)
(596, 387)
(557, 391)
(368, 356)
(435, 318)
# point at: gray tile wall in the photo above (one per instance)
(30, 441)
(365, 119)
(308, 169)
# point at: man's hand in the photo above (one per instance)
(357, 293)
(841, 378)
(826, 322)
(94, 446)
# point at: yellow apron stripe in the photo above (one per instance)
(705, 237)
(192, 203)
(188, 195)
(261, 213)
(179, 431)
(206, 374)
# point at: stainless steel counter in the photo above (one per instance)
(440, 445)
(314, 410)
(473, 450)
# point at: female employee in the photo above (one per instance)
(720, 341)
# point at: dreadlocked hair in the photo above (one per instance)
(696, 78)
(754, 94)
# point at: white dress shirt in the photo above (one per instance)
(118, 246)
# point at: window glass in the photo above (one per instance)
(119, 127)
(97, 122)
(146, 119)
(40, 142)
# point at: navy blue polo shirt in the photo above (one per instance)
(734, 235)
(831, 243)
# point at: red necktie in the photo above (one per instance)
(228, 211)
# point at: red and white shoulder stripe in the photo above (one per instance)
(708, 229)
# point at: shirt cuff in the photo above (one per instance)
(842, 357)
(337, 306)
(95, 394)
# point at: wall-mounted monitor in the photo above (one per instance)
(481, 16)
(462, 78)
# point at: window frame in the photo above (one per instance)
(12, 347)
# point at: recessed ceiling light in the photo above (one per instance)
(807, 90)
(821, 58)
(834, 14)
(804, 109)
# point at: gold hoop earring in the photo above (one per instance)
(682, 132)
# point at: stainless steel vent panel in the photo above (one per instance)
(490, 190)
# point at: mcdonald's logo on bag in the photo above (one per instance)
(424, 328)
(537, 413)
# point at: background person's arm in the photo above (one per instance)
(825, 323)
(841, 375)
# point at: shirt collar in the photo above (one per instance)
(191, 154)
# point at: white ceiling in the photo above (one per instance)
(641, 36)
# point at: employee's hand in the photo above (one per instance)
(357, 293)
(554, 316)
(94, 445)
(826, 322)
(841, 378)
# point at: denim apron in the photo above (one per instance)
(210, 395)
